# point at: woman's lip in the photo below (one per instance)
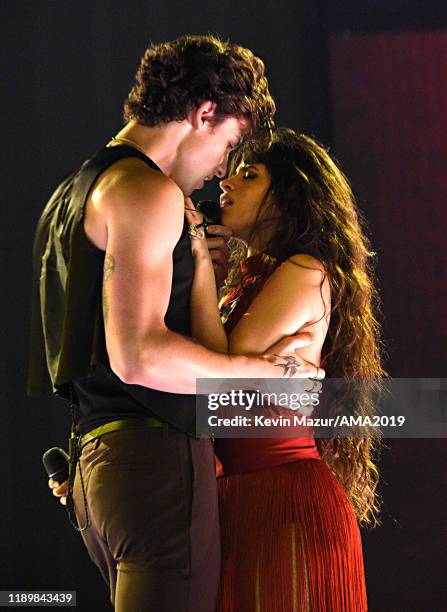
(225, 201)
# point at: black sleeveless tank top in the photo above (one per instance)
(67, 330)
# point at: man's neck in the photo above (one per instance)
(160, 143)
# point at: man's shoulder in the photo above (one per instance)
(132, 181)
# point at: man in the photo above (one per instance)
(114, 270)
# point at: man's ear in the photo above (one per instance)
(200, 116)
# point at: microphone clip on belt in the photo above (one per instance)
(61, 467)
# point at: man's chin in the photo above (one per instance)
(190, 190)
(185, 188)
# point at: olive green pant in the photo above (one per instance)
(152, 503)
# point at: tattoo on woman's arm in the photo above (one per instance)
(109, 266)
(289, 366)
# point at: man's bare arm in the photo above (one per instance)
(144, 217)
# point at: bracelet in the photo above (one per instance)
(316, 377)
(197, 230)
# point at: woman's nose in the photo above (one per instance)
(226, 184)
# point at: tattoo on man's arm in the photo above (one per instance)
(109, 266)
(289, 366)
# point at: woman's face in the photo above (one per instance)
(242, 196)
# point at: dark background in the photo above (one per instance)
(67, 67)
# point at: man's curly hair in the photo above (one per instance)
(177, 76)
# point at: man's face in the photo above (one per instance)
(204, 153)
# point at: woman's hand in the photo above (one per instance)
(198, 239)
(219, 251)
(206, 325)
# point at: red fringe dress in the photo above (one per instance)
(290, 539)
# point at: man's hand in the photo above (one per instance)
(59, 490)
(288, 360)
(219, 251)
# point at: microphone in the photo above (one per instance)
(56, 463)
(211, 211)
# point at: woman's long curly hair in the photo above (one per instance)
(318, 215)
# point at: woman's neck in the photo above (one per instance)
(259, 243)
(252, 251)
(259, 240)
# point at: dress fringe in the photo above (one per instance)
(290, 541)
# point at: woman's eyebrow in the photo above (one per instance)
(247, 166)
(242, 167)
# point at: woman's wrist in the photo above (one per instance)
(200, 250)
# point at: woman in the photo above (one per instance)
(289, 507)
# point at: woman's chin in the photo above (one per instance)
(239, 235)
(229, 220)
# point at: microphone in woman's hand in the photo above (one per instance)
(56, 463)
(211, 211)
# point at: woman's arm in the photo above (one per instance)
(295, 297)
(206, 325)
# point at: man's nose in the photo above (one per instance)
(222, 169)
